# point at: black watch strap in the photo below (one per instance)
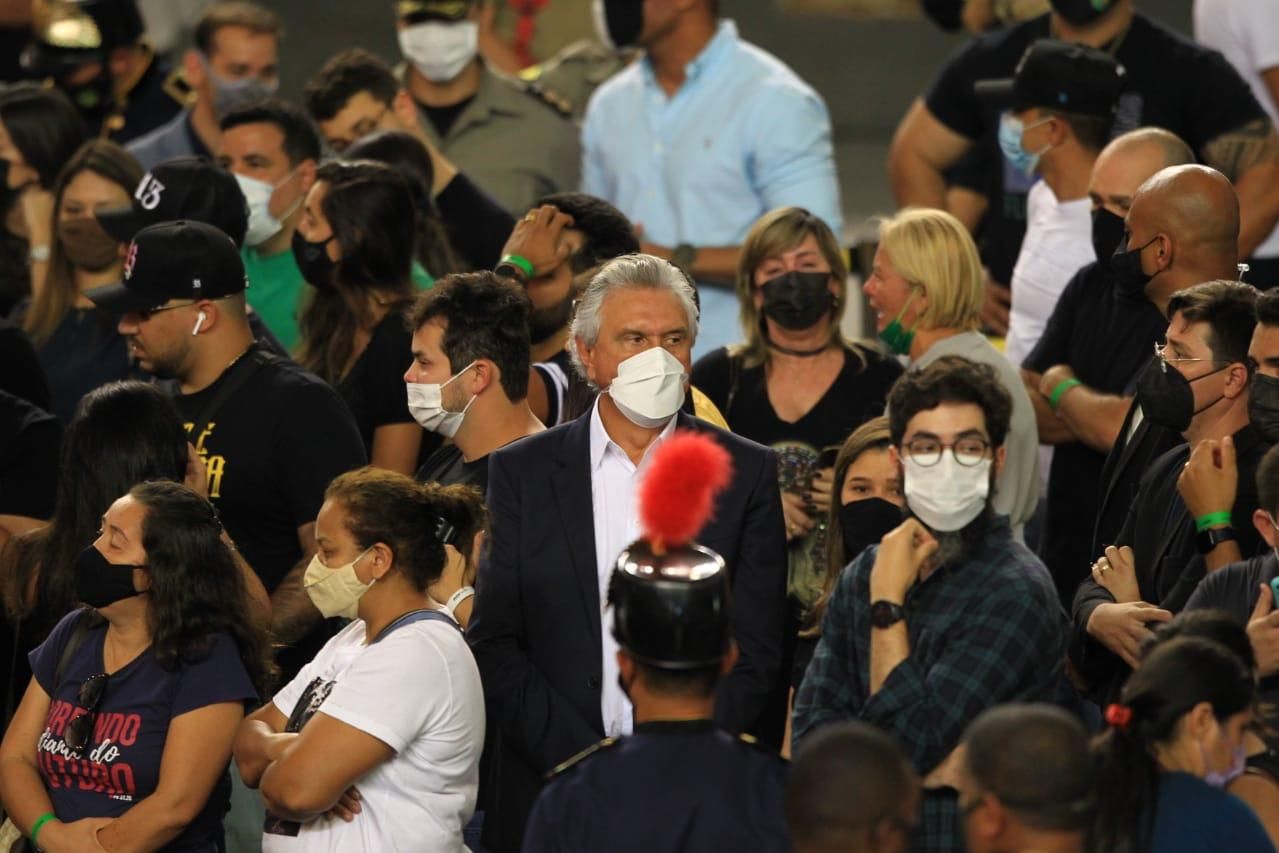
(511, 271)
(885, 614)
(1207, 540)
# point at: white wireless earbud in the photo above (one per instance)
(199, 321)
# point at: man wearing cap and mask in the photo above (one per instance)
(563, 506)
(699, 139)
(1080, 375)
(234, 62)
(271, 435)
(714, 792)
(949, 615)
(1172, 83)
(96, 51)
(514, 139)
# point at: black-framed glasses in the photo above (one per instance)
(968, 451)
(79, 732)
(145, 314)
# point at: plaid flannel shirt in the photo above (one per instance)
(982, 633)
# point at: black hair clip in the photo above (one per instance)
(445, 532)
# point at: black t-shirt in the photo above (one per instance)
(374, 387)
(20, 370)
(447, 467)
(1234, 590)
(1172, 83)
(443, 118)
(1106, 339)
(478, 226)
(272, 447)
(30, 439)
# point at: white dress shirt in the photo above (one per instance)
(614, 485)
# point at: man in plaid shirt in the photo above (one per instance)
(950, 614)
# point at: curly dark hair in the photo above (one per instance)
(950, 379)
(197, 590)
(345, 75)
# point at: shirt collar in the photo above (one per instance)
(601, 442)
(716, 51)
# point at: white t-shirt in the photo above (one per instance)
(1247, 34)
(418, 691)
(1058, 242)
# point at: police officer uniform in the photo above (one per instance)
(70, 34)
(673, 785)
(577, 71)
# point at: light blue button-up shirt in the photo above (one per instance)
(743, 135)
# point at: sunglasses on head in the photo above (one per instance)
(79, 731)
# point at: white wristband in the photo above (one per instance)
(458, 597)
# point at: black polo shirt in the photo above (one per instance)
(1107, 339)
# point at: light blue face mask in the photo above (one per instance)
(1011, 129)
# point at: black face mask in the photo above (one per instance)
(622, 21)
(1080, 12)
(865, 522)
(797, 300)
(1107, 234)
(314, 262)
(1166, 397)
(1125, 268)
(1263, 406)
(99, 583)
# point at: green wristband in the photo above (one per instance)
(39, 825)
(518, 261)
(1209, 519)
(1063, 386)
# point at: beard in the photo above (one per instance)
(959, 546)
(545, 322)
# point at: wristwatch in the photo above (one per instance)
(885, 614)
(683, 257)
(1206, 540)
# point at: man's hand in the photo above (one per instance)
(1053, 377)
(994, 311)
(903, 553)
(196, 476)
(539, 239)
(1263, 633)
(1116, 570)
(1122, 627)
(1210, 479)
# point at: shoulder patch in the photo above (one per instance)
(532, 73)
(177, 87)
(581, 756)
(753, 743)
(551, 98)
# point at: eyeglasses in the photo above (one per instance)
(1164, 360)
(148, 313)
(79, 732)
(927, 451)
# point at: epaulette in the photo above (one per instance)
(551, 98)
(177, 87)
(581, 756)
(753, 742)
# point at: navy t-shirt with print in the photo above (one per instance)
(121, 765)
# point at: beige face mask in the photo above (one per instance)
(336, 591)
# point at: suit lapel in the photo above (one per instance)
(1125, 456)
(571, 486)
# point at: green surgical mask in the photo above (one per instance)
(896, 337)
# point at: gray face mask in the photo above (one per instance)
(229, 94)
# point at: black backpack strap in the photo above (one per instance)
(416, 616)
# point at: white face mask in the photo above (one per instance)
(946, 496)
(262, 225)
(426, 405)
(649, 388)
(440, 51)
(335, 592)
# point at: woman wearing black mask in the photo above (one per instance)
(355, 246)
(142, 691)
(39, 131)
(869, 504)
(796, 384)
(78, 345)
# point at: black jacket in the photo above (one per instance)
(536, 626)
(1125, 465)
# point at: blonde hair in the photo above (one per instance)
(935, 253)
(775, 232)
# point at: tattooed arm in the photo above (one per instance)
(1249, 157)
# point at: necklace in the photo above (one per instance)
(798, 353)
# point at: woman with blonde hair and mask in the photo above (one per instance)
(925, 289)
(392, 702)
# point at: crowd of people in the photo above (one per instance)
(443, 463)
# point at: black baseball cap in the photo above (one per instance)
(1062, 76)
(191, 188)
(174, 260)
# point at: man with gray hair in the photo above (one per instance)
(564, 506)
